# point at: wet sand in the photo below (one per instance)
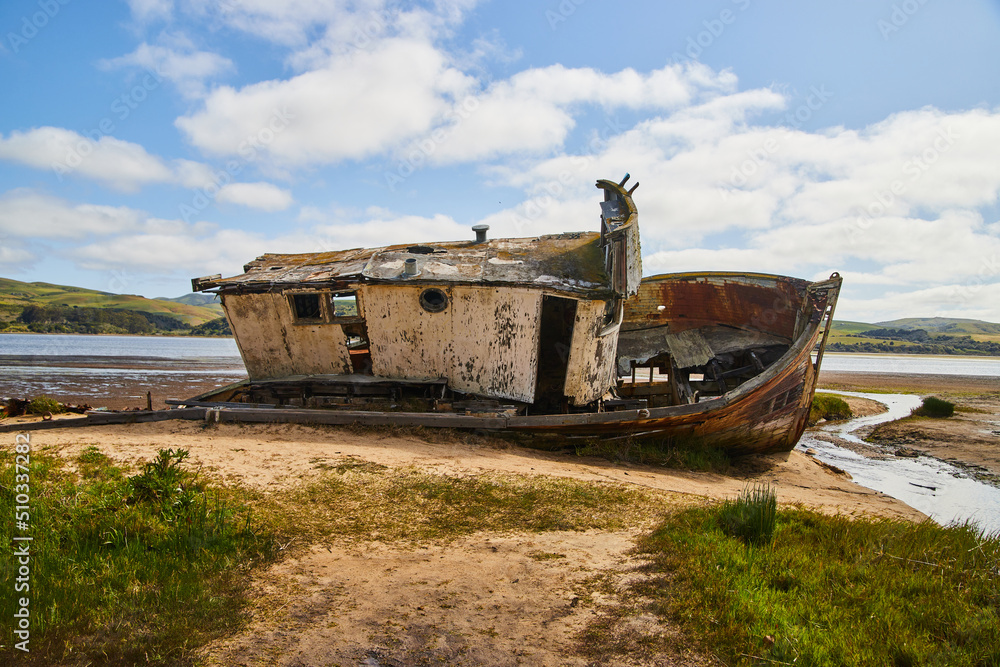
(904, 383)
(970, 439)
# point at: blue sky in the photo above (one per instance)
(143, 143)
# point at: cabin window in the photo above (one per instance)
(344, 304)
(307, 307)
(433, 300)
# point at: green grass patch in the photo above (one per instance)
(936, 408)
(828, 590)
(42, 404)
(363, 501)
(830, 407)
(125, 570)
(751, 516)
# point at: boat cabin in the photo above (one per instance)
(531, 320)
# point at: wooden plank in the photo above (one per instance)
(217, 404)
(105, 418)
(335, 417)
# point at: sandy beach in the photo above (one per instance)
(386, 603)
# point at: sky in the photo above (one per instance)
(147, 142)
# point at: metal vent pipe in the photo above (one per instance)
(480, 231)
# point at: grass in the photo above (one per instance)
(42, 404)
(144, 568)
(362, 501)
(751, 516)
(828, 406)
(650, 451)
(119, 576)
(828, 591)
(935, 408)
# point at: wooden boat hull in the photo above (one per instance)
(769, 412)
(766, 413)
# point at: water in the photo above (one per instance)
(116, 371)
(162, 347)
(940, 490)
(911, 364)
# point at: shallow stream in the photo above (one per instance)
(944, 492)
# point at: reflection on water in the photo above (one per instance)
(942, 491)
(164, 347)
(911, 364)
(99, 369)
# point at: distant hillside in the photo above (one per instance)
(944, 325)
(913, 335)
(15, 296)
(210, 301)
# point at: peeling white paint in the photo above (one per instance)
(591, 370)
(272, 345)
(484, 342)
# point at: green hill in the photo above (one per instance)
(15, 295)
(210, 301)
(944, 325)
(917, 335)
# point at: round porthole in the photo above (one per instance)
(433, 300)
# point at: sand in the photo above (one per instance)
(482, 600)
(487, 598)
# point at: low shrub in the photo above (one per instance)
(935, 407)
(42, 404)
(830, 407)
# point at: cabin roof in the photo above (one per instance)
(571, 262)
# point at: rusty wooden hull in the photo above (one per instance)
(765, 414)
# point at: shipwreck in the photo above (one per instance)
(553, 335)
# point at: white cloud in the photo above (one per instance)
(178, 61)
(263, 196)
(289, 22)
(351, 109)
(121, 164)
(14, 258)
(28, 214)
(374, 227)
(145, 11)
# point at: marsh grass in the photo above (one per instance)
(126, 570)
(829, 590)
(935, 407)
(829, 407)
(751, 516)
